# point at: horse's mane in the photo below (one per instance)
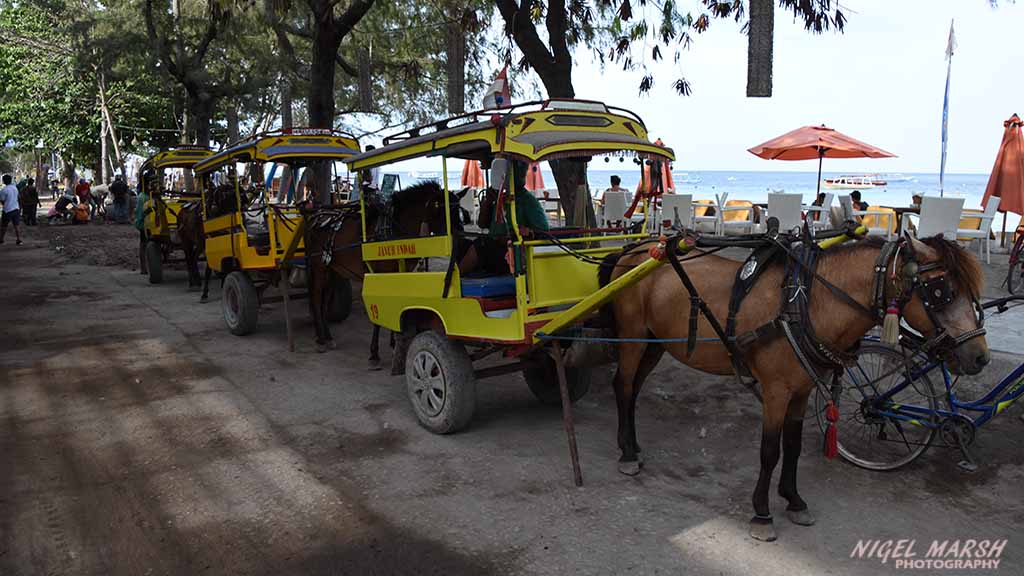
(960, 264)
(425, 187)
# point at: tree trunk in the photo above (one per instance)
(321, 87)
(569, 174)
(68, 172)
(286, 122)
(231, 114)
(456, 68)
(201, 115)
(760, 33)
(103, 152)
(111, 129)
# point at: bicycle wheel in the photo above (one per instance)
(868, 438)
(1015, 276)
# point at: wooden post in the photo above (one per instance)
(570, 429)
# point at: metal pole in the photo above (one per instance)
(821, 156)
(570, 430)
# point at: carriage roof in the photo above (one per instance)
(177, 157)
(282, 145)
(534, 131)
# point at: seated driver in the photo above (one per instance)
(487, 253)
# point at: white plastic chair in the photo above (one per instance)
(850, 214)
(983, 234)
(615, 206)
(742, 226)
(785, 207)
(468, 203)
(938, 216)
(676, 207)
(704, 223)
(820, 217)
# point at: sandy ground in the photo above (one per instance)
(138, 437)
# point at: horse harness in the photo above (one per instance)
(892, 288)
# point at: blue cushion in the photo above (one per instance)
(489, 287)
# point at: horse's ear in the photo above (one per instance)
(921, 250)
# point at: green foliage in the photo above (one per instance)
(635, 35)
(41, 96)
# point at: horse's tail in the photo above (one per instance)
(604, 277)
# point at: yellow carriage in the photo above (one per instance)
(447, 319)
(254, 232)
(173, 186)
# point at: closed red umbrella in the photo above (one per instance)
(816, 142)
(668, 185)
(1007, 179)
(472, 175)
(534, 178)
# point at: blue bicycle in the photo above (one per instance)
(891, 412)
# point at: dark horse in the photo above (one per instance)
(220, 201)
(651, 309)
(334, 245)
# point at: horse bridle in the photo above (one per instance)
(936, 294)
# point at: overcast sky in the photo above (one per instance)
(880, 81)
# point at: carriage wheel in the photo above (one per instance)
(240, 303)
(440, 381)
(154, 262)
(341, 301)
(867, 437)
(542, 378)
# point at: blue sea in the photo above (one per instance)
(755, 186)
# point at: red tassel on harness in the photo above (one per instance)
(657, 251)
(831, 433)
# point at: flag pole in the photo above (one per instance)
(950, 47)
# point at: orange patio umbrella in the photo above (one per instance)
(816, 142)
(534, 177)
(1007, 179)
(472, 175)
(666, 176)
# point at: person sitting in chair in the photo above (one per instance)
(857, 204)
(487, 253)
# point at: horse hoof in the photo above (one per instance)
(763, 530)
(321, 348)
(374, 364)
(630, 468)
(203, 300)
(332, 344)
(801, 517)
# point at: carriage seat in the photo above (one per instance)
(489, 287)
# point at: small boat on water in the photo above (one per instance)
(858, 181)
(897, 177)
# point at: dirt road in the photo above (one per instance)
(138, 437)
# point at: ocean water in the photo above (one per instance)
(755, 186)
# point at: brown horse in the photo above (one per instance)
(220, 200)
(415, 211)
(193, 244)
(651, 309)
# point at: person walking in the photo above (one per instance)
(149, 182)
(119, 190)
(29, 201)
(12, 213)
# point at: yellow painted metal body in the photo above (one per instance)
(232, 241)
(162, 208)
(553, 289)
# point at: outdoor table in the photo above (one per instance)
(900, 211)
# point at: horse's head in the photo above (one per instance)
(419, 210)
(944, 282)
